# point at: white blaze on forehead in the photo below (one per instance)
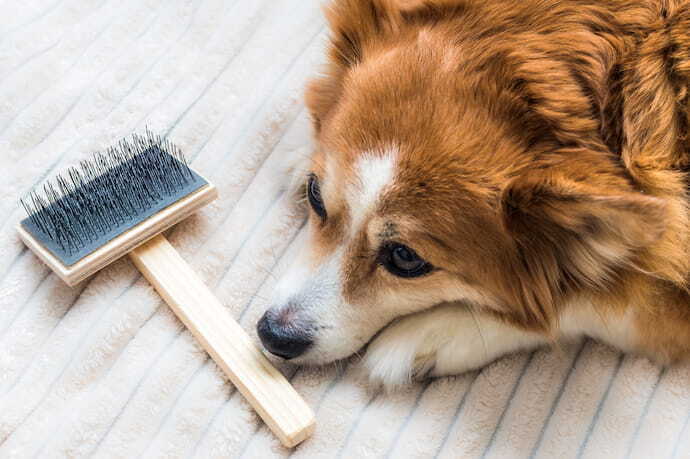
(373, 174)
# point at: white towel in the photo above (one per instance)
(104, 369)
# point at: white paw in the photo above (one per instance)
(444, 340)
(402, 352)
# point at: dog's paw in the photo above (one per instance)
(402, 352)
(441, 341)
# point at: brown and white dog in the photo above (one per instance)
(492, 176)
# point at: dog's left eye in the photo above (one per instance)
(402, 261)
(314, 196)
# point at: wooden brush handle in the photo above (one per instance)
(271, 395)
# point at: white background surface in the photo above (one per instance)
(105, 369)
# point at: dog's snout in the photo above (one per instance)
(281, 337)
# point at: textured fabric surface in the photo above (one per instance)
(105, 369)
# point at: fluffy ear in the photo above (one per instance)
(353, 24)
(566, 237)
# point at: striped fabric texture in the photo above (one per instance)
(105, 370)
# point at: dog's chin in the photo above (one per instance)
(322, 355)
(317, 357)
(327, 351)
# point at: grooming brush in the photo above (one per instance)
(118, 203)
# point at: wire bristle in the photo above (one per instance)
(113, 187)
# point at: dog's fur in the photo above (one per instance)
(535, 152)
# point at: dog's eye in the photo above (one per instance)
(314, 196)
(402, 261)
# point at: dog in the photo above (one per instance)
(492, 176)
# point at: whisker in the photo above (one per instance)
(261, 297)
(479, 330)
(275, 260)
(265, 271)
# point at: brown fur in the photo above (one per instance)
(544, 148)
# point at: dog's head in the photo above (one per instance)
(453, 163)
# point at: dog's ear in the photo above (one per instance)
(353, 24)
(573, 101)
(566, 236)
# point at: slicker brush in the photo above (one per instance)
(119, 202)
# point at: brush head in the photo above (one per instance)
(116, 200)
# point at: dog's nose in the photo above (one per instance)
(280, 339)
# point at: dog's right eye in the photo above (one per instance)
(314, 196)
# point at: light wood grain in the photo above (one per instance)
(123, 243)
(271, 395)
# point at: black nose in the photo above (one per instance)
(283, 340)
